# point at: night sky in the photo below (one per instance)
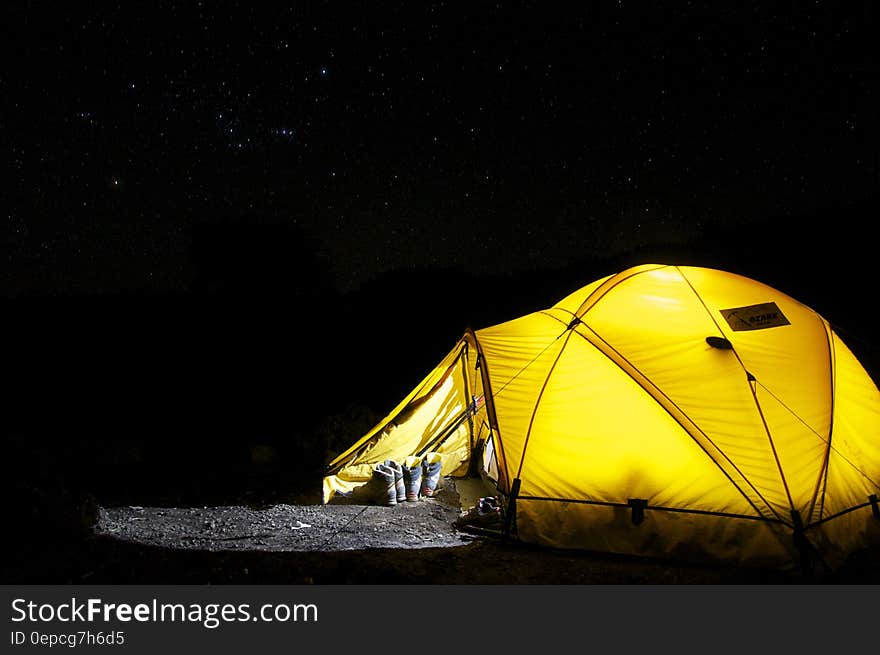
(229, 224)
(480, 138)
(237, 228)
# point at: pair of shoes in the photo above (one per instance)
(399, 491)
(489, 504)
(431, 466)
(485, 514)
(412, 477)
(396, 483)
(384, 484)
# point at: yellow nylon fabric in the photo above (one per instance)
(573, 301)
(854, 463)
(723, 404)
(672, 534)
(656, 322)
(431, 408)
(792, 368)
(579, 447)
(519, 355)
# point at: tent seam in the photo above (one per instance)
(490, 401)
(522, 458)
(751, 389)
(687, 431)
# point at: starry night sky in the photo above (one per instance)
(229, 224)
(480, 138)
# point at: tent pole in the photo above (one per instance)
(510, 510)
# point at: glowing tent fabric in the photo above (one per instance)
(664, 410)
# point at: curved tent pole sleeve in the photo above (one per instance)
(510, 515)
(610, 283)
(583, 330)
(503, 476)
(569, 331)
(822, 482)
(871, 502)
(468, 397)
(753, 388)
(752, 382)
(435, 442)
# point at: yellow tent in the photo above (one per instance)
(663, 410)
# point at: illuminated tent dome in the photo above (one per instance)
(664, 410)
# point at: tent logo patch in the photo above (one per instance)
(754, 317)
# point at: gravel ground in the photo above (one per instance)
(426, 523)
(349, 542)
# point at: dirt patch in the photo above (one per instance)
(343, 525)
(348, 542)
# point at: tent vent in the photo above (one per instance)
(638, 505)
(874, 506)
(719, 342)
